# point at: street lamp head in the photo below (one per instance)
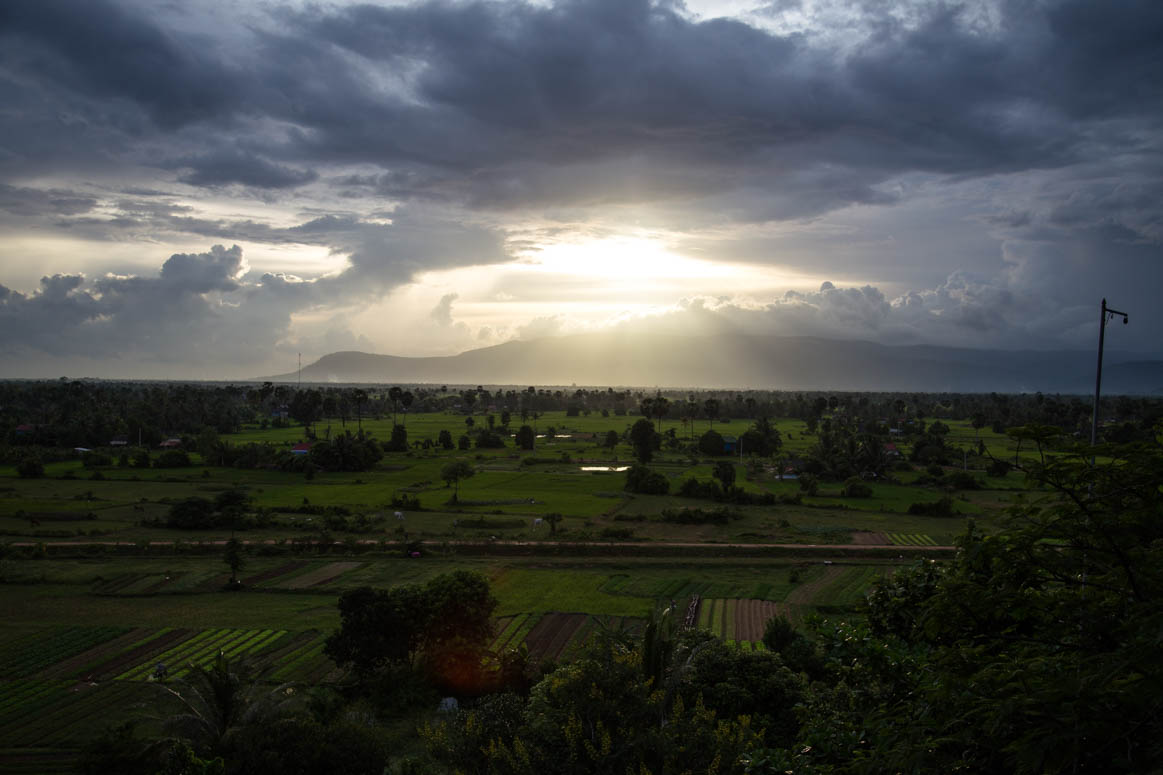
(1126, 319)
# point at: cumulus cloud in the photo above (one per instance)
(196, 311)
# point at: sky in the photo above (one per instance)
(206, 189)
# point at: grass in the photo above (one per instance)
(521, 590)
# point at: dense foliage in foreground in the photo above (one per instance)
(1036, 650)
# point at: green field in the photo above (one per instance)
(76, 606)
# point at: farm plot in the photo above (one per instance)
(678, 587)
(273, 574)
(551, 636)
(751, 617)
(911, 539)
(866, 537)
(26, 656)
(136, 583)
(596, 624)
(107, 663)
(741, 621)
(302, 659)
(201, 650)
(511, 631)
(67, 713)
(849, 586)
(322, 575)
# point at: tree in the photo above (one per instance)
(445, 625)
(711, 407)
(640, 478)
(306, 407)
(377, 626)
(233, 558)
(489, 440)
(725, 473)
(452, 473)
(457, 628)
(399, 440)
(219, 701)
(394, 395)
(525, 437)
(711, 443)
(30, 468)
(406, 399)
(444, 439)
(553, 518)
(644, 440)
(611, 440)
(1036, 648)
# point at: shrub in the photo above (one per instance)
(962, 480)
(192, 514)
(942, 507)
(711, 443)
(95, 460)
(998, 468)
(641, 479)
(172, 458)
(855, 487)
(30, 468)
(489, 440)
(719, 516)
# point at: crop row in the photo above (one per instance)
(675, 588)
(202, 649)
(911, 539)
(306, 663)
(27, 656)
(849, 588)
(553, 634)
(68, 715)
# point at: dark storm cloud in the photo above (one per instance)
(34, 202)
(195, 311)
(247, 169)
(101, 48)
(447, 115)
(503, 104)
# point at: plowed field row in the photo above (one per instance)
(31, 655)
(740, 620)
(69, 715)
(320, 576)
(550, 637)
(274, 573)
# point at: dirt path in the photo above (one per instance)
(550, 545)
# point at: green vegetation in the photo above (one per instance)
(577, 561)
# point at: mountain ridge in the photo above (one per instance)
(738, 361)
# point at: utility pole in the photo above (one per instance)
(301, 369)
(1107, 314)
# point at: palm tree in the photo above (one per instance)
(711, 406)
(219, 701)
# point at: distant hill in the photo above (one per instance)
(737, 361)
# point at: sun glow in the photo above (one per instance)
(622, 259)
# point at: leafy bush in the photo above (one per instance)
(489, 440)
(711, 443)
(942, 507)
(30, 468)
(172, 458)
(95, 460)
(962, 480)
(641, 479)
(855, 487)
(999, 468)
(719, 516)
